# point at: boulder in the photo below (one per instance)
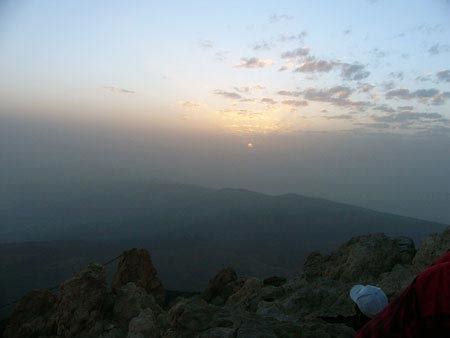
(132, 300)
(222, 286)
(192, 314)
(431, 248)
(394, 281)
(136, 266)
(361, 260)
(33, 316)
(143, 325)
(82, 303)
(248, 296)
(274, 281)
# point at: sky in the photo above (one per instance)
(348, 101)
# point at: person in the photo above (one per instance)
(421, 310)
(369, 301)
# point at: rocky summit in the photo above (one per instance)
(230, 306)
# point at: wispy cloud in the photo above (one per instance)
(431, 95)
(438, 48)
(228, 95)
(311, 65)
(221, 55)
(249, 89)
(189, 104)
(292, 37)
(280, 17)
(268, 100)
(206, 44)
(403, 117)
(254, 63)
(118, 90)
(339, 117)
(354, 71)
(443, 75)
(289, 93)
(296, 53)
(338, 95)
(295, 103)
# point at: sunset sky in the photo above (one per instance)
(234, 67)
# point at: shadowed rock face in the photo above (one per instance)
(363, 258)
(136, 266)
(222, 286)
(83, 302)
(33, 316)
(230, 306)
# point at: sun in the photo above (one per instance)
(249, 145)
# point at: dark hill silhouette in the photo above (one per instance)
(191, 231)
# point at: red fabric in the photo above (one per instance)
(421, 310)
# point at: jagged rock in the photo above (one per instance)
(321, 329)
(143, 326)
(323, 297)
(131, 301)
(83, 301)
(431, 248)
(33, 316)
(222, 286)
(274, 281)
(362, 259)
(313, 266)
(136, 266)
(192, 314)
(219, 332)
(248, 296)
(394, 281)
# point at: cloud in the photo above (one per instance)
(189, 104)
(292, 37)
(437, 49)
(354, 71)
(423, 78)
(254, 63)
(280, 17)
(118, 90)
(399, 75)
(408, 116)
(299, 52)
(349, 71)
(373, 125)
(221, 55)
(228, 95)
(378, 53)
(405, 108)
(365, 87)
(431, 96)
(249, 89)
(384, 108)
(268, 100)
(339, 117)
(443, 75)
(311, 65)
(262, 46)
(206, 44)
(295, 103)
(338, 95)
(289, 93)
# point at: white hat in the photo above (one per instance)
(370, 299)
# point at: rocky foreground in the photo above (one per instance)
(134, 306)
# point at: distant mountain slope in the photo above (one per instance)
(191, 231)
(129, 211)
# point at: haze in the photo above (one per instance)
(349, 102)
